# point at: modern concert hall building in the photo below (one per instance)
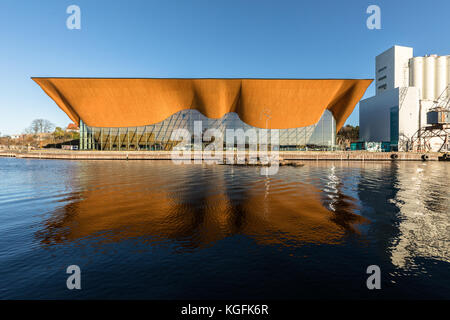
(141, 113)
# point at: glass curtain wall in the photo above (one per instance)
(320, 136)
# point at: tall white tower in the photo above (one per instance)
(392, 68)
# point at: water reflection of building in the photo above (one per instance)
(407, 203)
(158, 202)
(339, 201)
(423, 199)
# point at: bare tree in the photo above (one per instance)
(40, 126)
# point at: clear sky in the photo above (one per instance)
(200, 38)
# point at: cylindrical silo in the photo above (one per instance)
(417, 74)
(429, 78)
(441, 75)
(448, 76)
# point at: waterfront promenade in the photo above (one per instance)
(167, 155)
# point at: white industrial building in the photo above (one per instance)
(406, 88)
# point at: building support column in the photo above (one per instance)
(82, 135)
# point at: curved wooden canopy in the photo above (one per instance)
(271, 103)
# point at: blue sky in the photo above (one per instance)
(200, 38)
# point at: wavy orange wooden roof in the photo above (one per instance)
(129, 102)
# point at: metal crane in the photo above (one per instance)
(437, 127)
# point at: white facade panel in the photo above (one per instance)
(401, 66)
(374, 116)
(408, 116)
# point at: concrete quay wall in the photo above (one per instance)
(167, 155)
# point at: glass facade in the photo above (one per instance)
(394, 126)
(320, 136)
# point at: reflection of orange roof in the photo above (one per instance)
(283, 212)
(278, 103)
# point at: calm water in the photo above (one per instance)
(155, 230)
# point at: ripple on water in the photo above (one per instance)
(349, 214)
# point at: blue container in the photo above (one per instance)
(356, 146)
(386, 146)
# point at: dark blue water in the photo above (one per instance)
(154, 230)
